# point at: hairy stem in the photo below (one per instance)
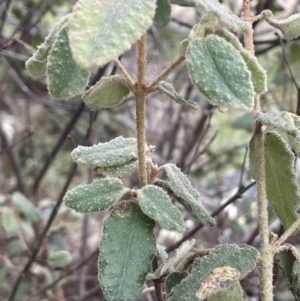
(140, 94)
(290, 231)
(165, 72)
(266, 258)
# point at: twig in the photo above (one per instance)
(141, 109)
(164, 73)
(157, 282)
(294, 227)
(4, 15)
(127, 76)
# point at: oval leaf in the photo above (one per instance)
(220, 73)
(37, 64)
(240, 258)
(116, 152)
(65, 77)
(169, 90)
(184, 192)
(60, 259)
(155, 203)
(108, 92)
(281, 186)
(126, 251)
(258, 74)
(99, 195)
(102, 30)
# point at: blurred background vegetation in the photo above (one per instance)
(37, 134)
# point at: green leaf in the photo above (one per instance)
(218, 70)
(174, 279)
(118, 171)
(281, 186)
(102, 30)
(227, 18)
(116, 152)
(60, 259)
(174, 261)
(126, 251)
(156, 203)
(162, 13)
(289, 262)
(169, 90)
(37, 64)
(231, 261)
(108, 92)
(23, 205)
(274, 121)
(258, 74)
(9, 222)
(184, 193)
(290, 27)
(233, 292)
(65, 77)
(97, 196)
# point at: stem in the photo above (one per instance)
(165, 72)
(140, 94)
(127, 76)
(295, 226)
(266, 258)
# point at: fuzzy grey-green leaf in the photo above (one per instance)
(126, 251)
(60, 258)
(102, 30)
(218, 70)
(97, 196)
(241, 258)
(290, 27)
(169, 90)
(108, 92)
(37, 64)
(9, 221)
(258, 74)
(288, 261)
(181, 187)
(269, 119)
(227, 18)
(118, 170)
(65, 77)
(281, 186)
(156, 203)
(162, 13)
(116, 152)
